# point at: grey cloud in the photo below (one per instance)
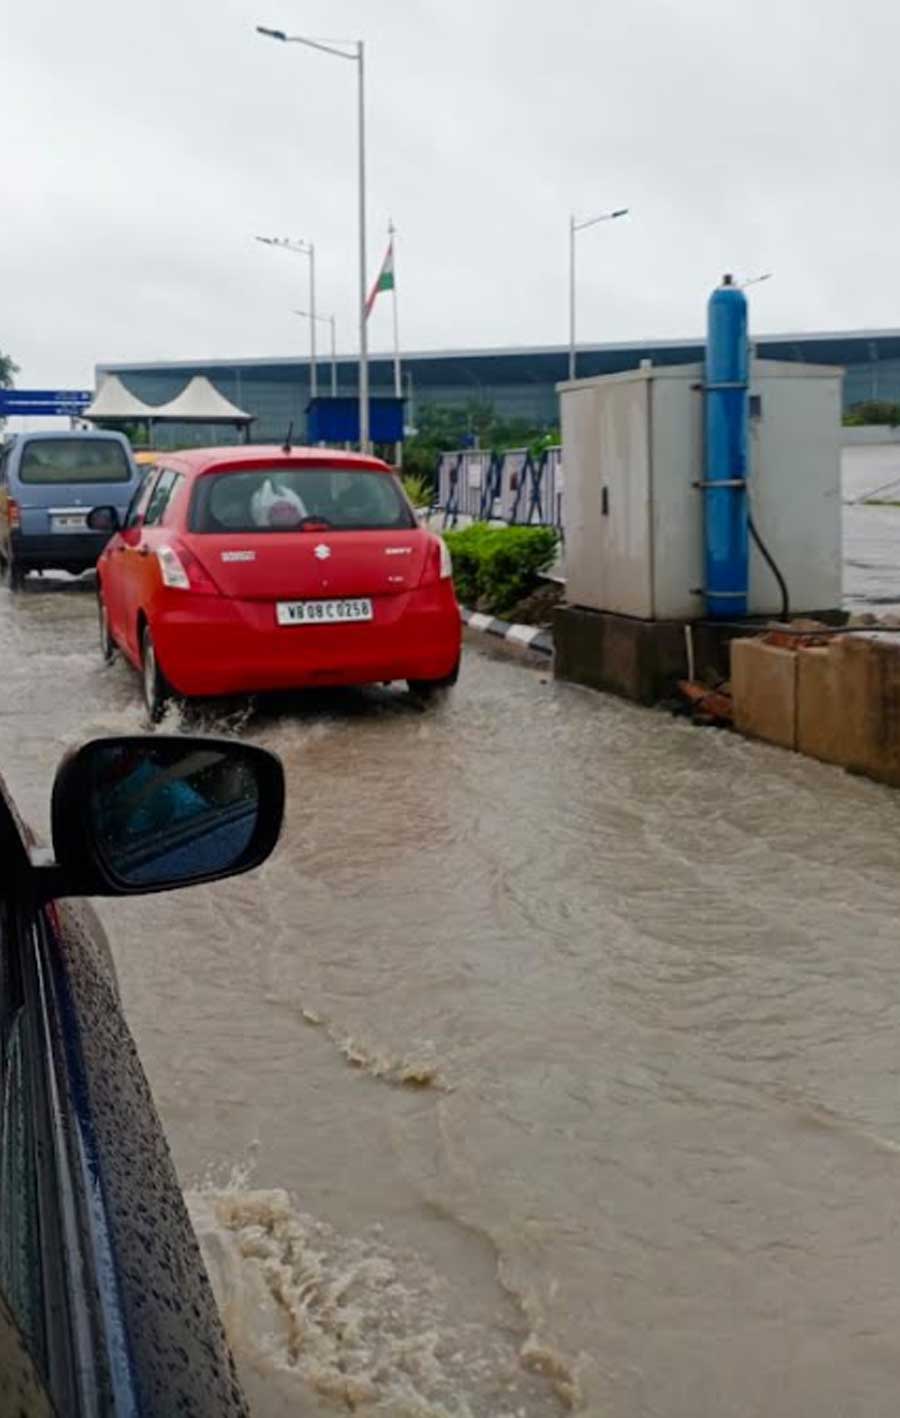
(147, 144)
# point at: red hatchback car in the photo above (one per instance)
(255, 568)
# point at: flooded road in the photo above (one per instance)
(552, 1062)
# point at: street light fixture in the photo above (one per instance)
(354, 51)
(303, 248)
(576, 226)
(755, 280)
(325, 320)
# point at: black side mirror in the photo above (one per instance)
(133, 815)
(103, 519)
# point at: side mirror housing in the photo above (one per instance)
(103, 519)
(153, 813)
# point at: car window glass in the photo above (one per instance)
(79, 459)
(139, 502)
(172, 498)
(160, 498)
(288, 499)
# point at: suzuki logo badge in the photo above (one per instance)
(322, 551)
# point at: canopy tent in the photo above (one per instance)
(201, 402)
(198, 403)
(114, 402)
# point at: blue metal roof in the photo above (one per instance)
(549, 362)
(518, 382)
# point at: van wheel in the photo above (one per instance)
(13, 574)
(107, 644)
(157, 691)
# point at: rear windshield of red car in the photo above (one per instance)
(74, 460)
(298, 499)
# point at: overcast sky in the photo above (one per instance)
(145, 143)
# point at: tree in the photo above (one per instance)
(873, 411)
(441, 427)
(8, 371)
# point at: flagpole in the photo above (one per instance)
(398, 378)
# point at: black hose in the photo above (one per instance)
(773, 567)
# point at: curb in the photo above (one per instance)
(531, 636)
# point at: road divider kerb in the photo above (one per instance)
(533, 637)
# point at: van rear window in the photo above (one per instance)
(298, 499)
(74, 460)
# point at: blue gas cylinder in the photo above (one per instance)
(726, 535)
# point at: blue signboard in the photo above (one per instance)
(43, 401)
(337, 420)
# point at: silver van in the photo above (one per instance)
(48, 484)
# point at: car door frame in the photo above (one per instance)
(132, 1323)
(63, 1331)
(145, 574)
(124, 568)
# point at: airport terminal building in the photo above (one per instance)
(517, 382)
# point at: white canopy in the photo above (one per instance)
(113, 401)
(201, 402)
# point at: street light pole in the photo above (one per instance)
(326, 320)
(303, 248)
(572, 296)
(363, 260)
(354, 51)
(576, 226)
(314, 381)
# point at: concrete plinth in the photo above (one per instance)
(636, 658)
(639, 659)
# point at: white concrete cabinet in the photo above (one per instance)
(632, 452)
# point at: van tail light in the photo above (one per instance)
(13, 514)
(181, 571)
(438, 563)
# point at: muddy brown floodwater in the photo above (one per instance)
(552, 1062)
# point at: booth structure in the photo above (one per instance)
(697, 495)
(330, 420)
(336, 420)
(199, 403)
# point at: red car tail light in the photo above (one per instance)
(13, 514)
(446, 568)
(181, 571)
(438, 563)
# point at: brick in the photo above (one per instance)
(825, 728)
(859, 677)
(848, 706)
(871, 680)
(764, 690)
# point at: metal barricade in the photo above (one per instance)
(516, 487)
(465, 478)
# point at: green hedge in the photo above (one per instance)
(496, 567)
(872, 411)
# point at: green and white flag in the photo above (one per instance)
(385, 280)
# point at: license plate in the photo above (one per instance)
(322, 612)
(68, 521)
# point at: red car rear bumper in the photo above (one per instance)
(211, 645)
